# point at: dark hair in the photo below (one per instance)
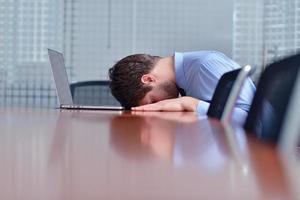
(125, 78)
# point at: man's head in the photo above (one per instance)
(139, 79)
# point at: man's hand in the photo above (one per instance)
(177, 104)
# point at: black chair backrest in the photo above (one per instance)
(221, 94)
(270, 102)
(94, 93)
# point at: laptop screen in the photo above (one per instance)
(60, 77)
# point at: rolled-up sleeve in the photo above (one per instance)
(238, 115)
(202, 107)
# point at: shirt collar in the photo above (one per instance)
(179, 71)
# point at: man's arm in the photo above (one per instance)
(189, 104)
(177, 104)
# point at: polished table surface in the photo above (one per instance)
(53, 154)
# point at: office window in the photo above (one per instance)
(94, 34)
(273, 25)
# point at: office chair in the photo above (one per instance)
(269, 105)
(94, 93)
(290, 131)
(227, 92)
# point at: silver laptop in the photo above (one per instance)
(63, 88)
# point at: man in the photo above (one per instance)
(152, 83)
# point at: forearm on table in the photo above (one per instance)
(189, 103)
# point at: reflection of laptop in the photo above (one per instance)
(62, 85)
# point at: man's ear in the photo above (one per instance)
(148, 79)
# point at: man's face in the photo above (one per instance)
(166, 90)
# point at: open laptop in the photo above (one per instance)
(63, 88)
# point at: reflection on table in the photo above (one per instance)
(113, 155)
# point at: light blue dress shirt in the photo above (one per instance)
(198, 73)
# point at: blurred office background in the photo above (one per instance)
(94, 34)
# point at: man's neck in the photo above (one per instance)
(165, 68)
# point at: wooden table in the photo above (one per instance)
(52, 154)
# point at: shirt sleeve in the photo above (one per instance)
(202, 107)
(238, 116)
(203, 73)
